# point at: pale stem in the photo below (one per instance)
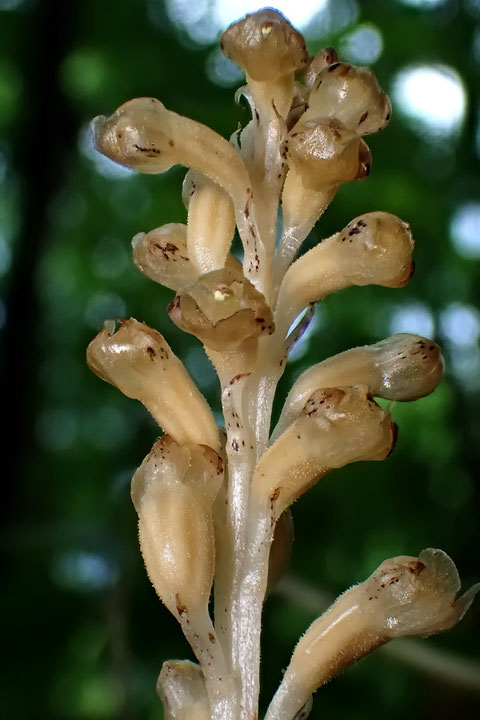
(201, 635)
(241, 457)
(252, 595)
(240, 585)
(301, 210)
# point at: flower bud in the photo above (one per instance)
(405, 596)
(323, 59)
(173, 492)
(374, 249)
(402, 367)
(211, 222)
(181, 688)
(324, 152)
(337, 426)
(265, 45)
(222, 309)
(162, 255)
(138, 361)
(352, 95)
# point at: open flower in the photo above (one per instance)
(352, 95)
(223, 310)
(324, 152)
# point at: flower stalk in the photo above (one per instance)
(213, 504)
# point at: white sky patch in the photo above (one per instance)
(204, 20)
(362, 45)
(465, 230)
(299, 12)
(414, 317)
(432, 97)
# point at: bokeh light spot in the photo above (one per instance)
(432, 98)
(109, 258)
(465, 230)
(363, 45)
(223, 71)
(83, 73)
(12, 4)
(414, 317)
(460, 325)
(83, 571)
(57, 429)
(299, 13)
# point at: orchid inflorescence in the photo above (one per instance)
(213, 503)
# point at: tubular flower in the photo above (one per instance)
(173, 492)
(337, 426)
(402, 367)
(142, 365)
(374, 249)
(405, 596)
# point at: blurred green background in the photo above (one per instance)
(85, 636)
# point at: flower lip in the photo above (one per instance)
(415, 596)
(351, 94)
(324, 152)
(223, 309)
